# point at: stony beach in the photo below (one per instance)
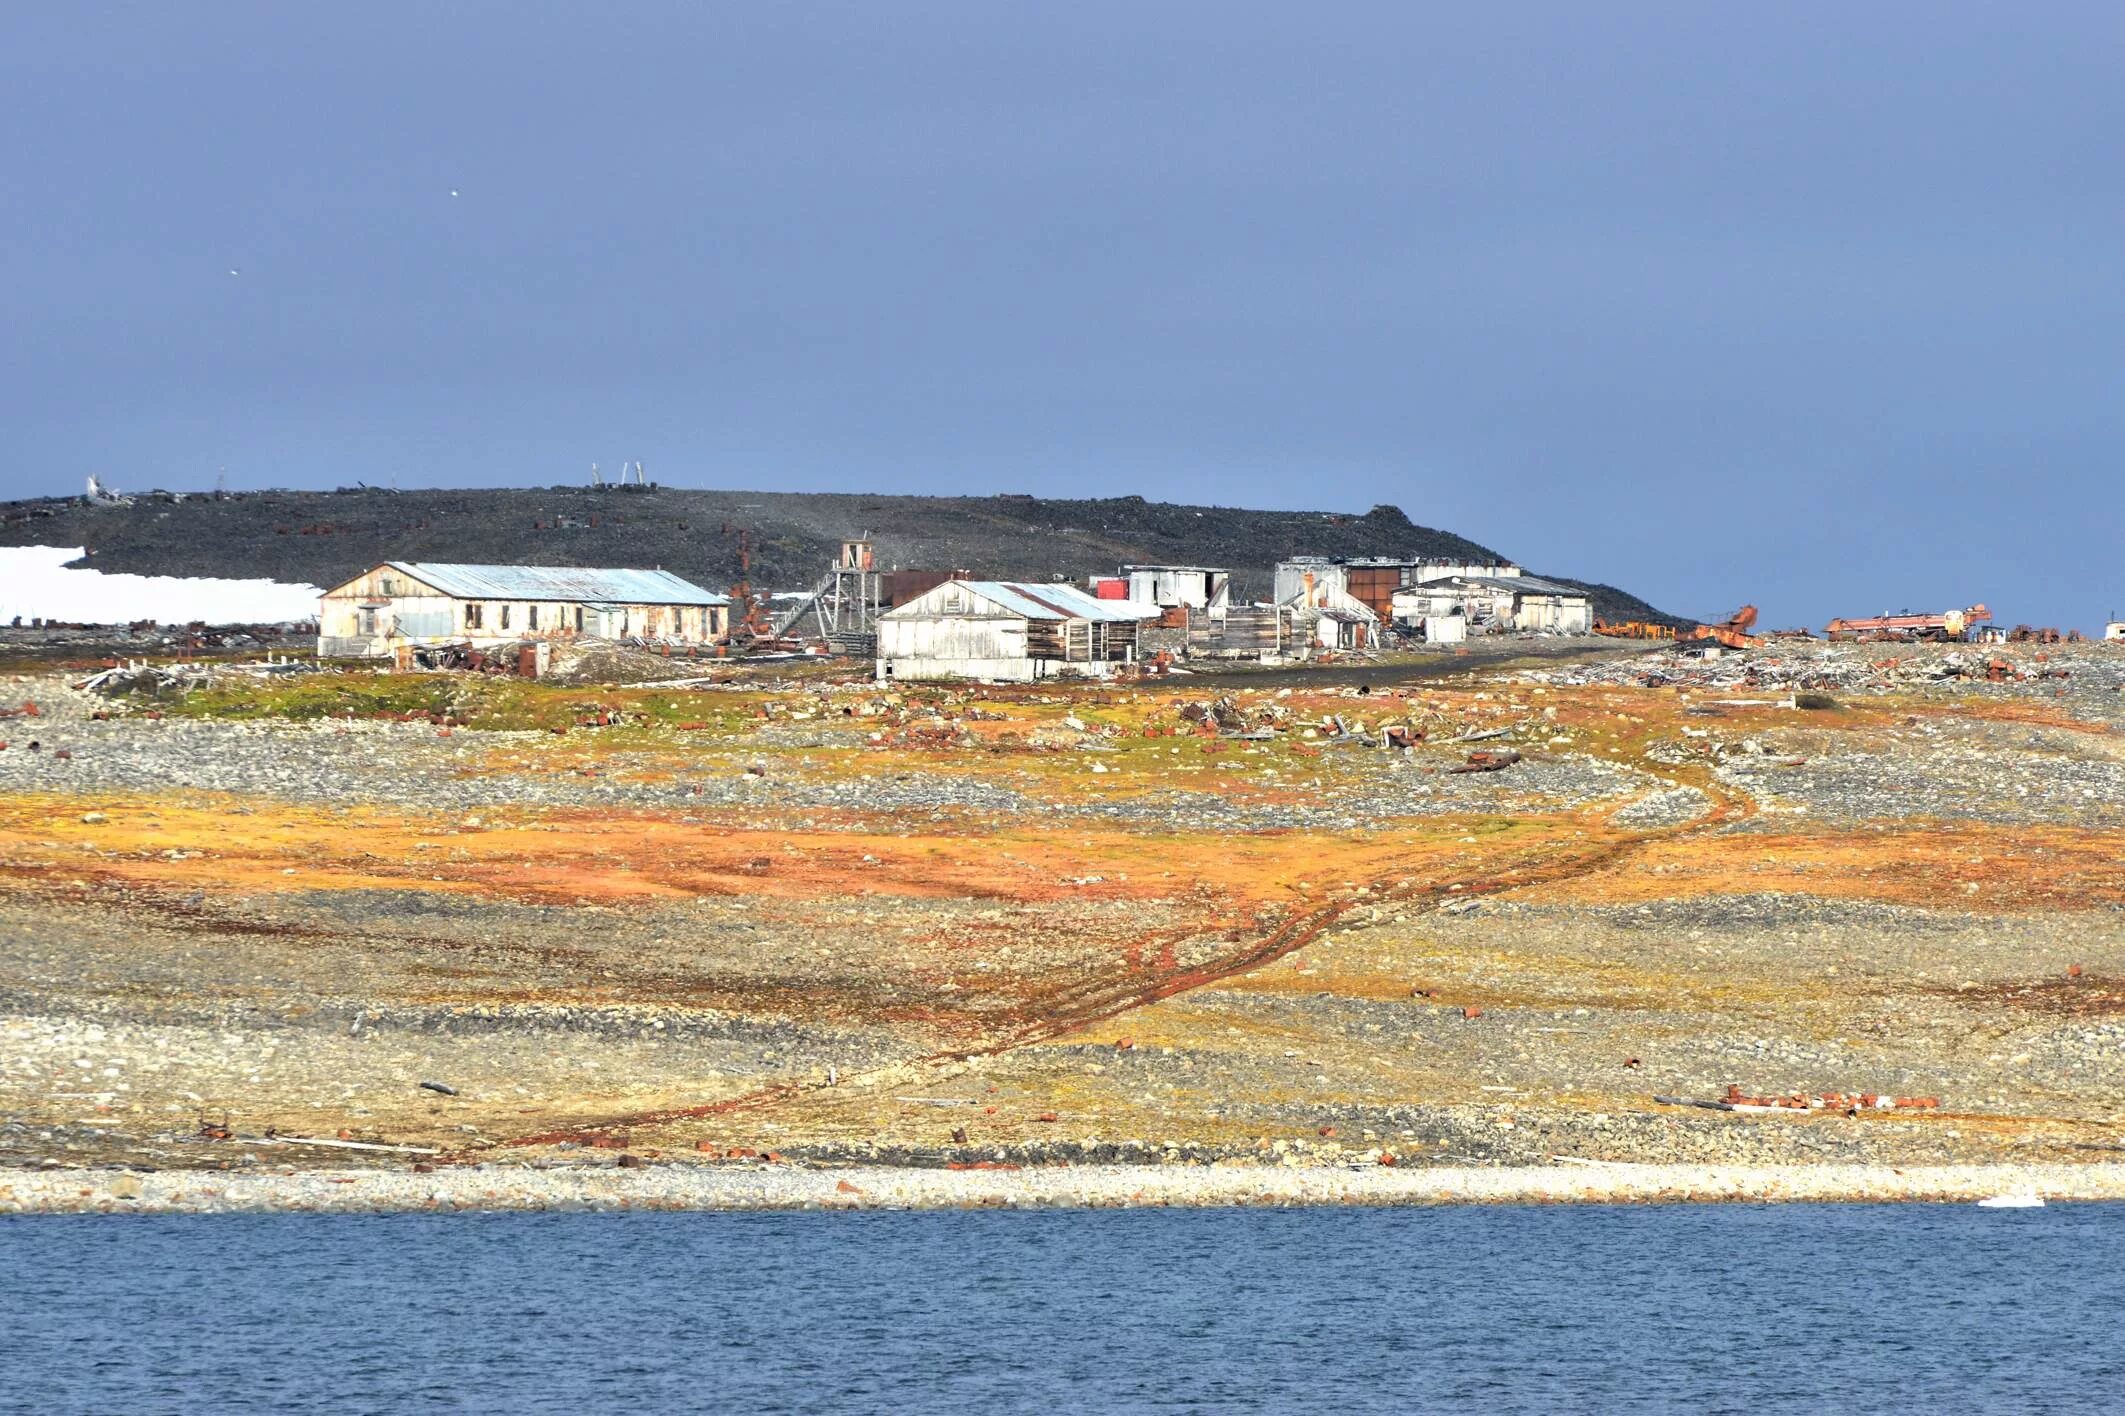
(682, 1187)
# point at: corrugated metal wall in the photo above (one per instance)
(1374, 586)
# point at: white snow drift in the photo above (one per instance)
(35, 584)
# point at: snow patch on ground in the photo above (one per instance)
(35, 584)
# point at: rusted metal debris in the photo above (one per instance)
(1489, 760)
(116, 680)
(1337, 733)
(1633, 629)
(513, 660)
(1849, 1103)
(270, 1139)
(1733, 631)
(1223, 718)
(2025, 634)
(1946, 625)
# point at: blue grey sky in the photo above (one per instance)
(1813, 305)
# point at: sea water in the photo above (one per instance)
(1668, 1308)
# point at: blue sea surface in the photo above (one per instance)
(1814, 1308)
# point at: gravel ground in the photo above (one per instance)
(2087, 679)
(1972, 771)
(848, 1029)
(414, 767)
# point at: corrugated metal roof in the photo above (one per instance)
(1380, 562)
(1046, 601)
(1529, 584)
(1057, 600)
(559, 582)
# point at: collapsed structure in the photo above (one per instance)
(403, 605)
(1197, 617)
(1441, 601)
(1009, 630)
(1195, 587)
(1327, 616)
(1495, 603)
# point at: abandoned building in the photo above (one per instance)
(1194, 587)
(1324, 615)
(1193, 604)
(1492, 604)
(1260, 632)
(409, 604)
(1373, 580)
(1008, 630)
(1448, 628)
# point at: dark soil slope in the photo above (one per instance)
(327, 537)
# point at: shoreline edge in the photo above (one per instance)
(679, 1187)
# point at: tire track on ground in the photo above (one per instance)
(1097, 1004)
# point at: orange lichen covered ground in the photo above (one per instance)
(573, 856)
(1961, 865)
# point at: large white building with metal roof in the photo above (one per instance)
(405, 604)
(1498, 603)
(1015, 631)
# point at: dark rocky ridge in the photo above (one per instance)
(327, 537)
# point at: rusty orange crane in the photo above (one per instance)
(1733, 631)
